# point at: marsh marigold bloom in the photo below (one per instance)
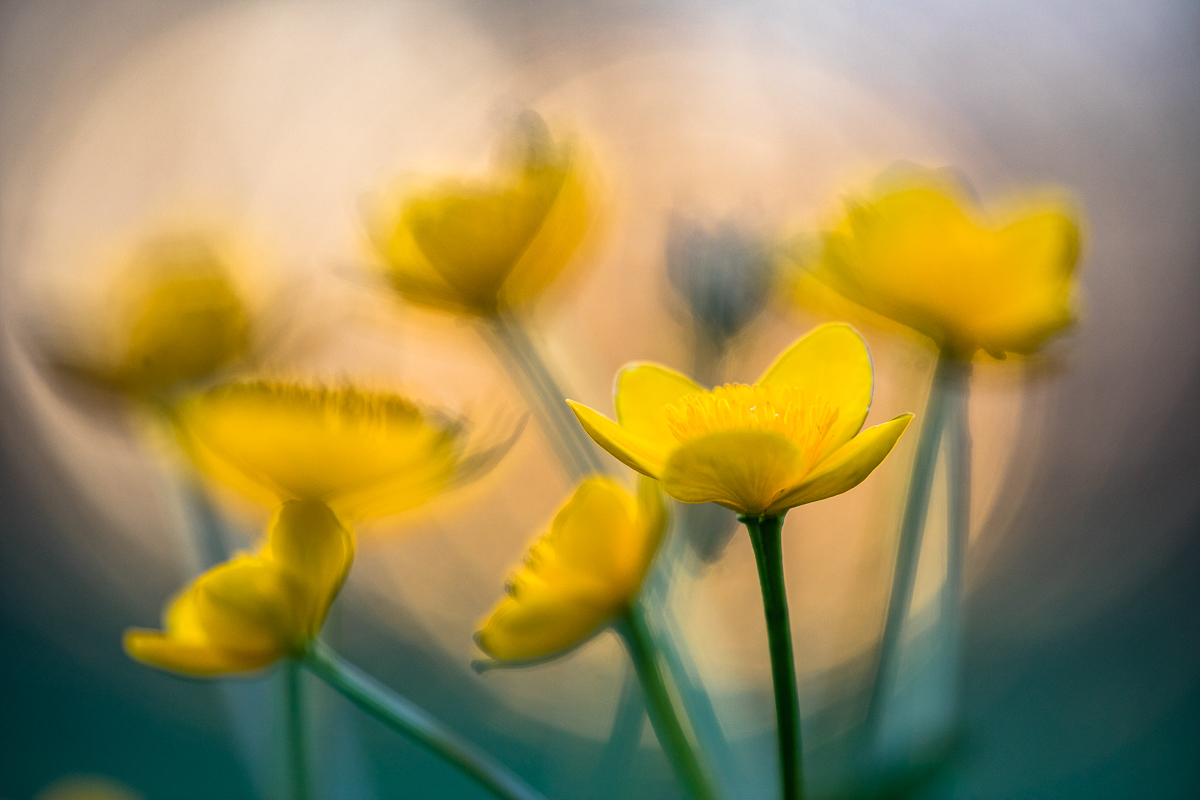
(183, 321)
(791, 438)
(365, 454)
(251, 611)
(481, 246)
(581, 575)
(921, 254)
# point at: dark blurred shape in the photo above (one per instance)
(723, 272)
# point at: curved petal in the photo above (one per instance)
(248, 606)
(190, 658)
(635, 452)
(844, 468)
(592, 534)
(336, 445)
(740, 469)
(540, 624)
(643, 393)
(831, 362)
(309, 544)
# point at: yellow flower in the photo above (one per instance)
(920, 254)
(364, 454)
(184, 321)
(792, 438)
(581, 575)
(249, 612)
(478, 247)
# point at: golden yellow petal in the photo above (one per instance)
(166, 652)
(593, 533)
(742, 470)
(652, 523)
(307, 542)
(539, 625)
(830, 362)
(1031, 298)
(342, 446)
(247, 605)
(556, 241)
(633, 451)
(845, 468)
(643, 393)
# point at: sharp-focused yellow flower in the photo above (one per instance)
(920, 254)
(184, 320)
(364, 454)
(249, 612)
(580, 576)
(480, 246)
(792, 438)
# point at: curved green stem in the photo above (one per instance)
(517, 352)
(410, 720)
(297, 752)
(667, 726)
(765, 533)
(958, 472)
(946, 381)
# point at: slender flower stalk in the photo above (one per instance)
(647, 661)
(947, 399)
(511, 341)
(765, 530)
(296, 732)
(406, 718)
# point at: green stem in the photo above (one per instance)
(958, 472)
(661, 709)
(297, 760)
(946, 378)
(412, 721)
(765, 535)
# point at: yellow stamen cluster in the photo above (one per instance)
(806, 420)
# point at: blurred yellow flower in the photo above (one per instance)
(478, 247)
(251, 611)
(581, 575)
(364, 454)
(922, 255)
(792, 438)
(184, 321)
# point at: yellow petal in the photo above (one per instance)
(643, 393)
(845, 468)
(559, 236)
(539, 625)
(248, 606)
(633, 451)
(344, 447)
(592, 533)
(308, 543)
(831, 362)
(166, 652)
(740, 469)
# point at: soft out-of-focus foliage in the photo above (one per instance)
(918, 251)
(478, 246)
(249, 612)
(581, 575)
(791, 438)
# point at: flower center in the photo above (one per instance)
(806, 420)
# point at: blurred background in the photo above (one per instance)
(276, 121)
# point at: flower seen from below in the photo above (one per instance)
(580, 576)
(921, 254)
(365, 454)
(481, 246)
(251, 611)
(183, 321)
(791, 438)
